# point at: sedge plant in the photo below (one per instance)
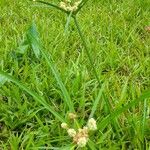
(72, 8)
(80, 135)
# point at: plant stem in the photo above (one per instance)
(80, 6)
(87, 50)
(52, 5)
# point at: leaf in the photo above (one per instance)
(55, 72)
(91, 145)
(68, 22)
(2, 80)
(33, 39)
(143, 121)
(69, 147)
(22, 49)
(96, 102)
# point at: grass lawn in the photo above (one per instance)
(46, 73)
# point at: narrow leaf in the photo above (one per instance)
(143, 122)
(96, 102)
(22, 49)
(66, 95)
(33, 39)
(68, 21)
(2, 80)
(55, 72)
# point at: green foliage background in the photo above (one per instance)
(119, 45)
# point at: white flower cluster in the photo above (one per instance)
(92, 124)
(71, 132)
(66, 5)
(80, 137)
(64, 125)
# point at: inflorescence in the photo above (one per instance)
(81, 135)
(69, 6)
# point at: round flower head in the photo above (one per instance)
(72, 116)
(68, 1)
(71, 132)
(85, 129)
(77, 3)
(92, 124)
(63, 5)
(68, 5)
(82, 142)
(64, 125)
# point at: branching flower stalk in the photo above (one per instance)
(80, 136)
(87, 50)
(71, 9)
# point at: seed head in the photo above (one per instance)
(92, 124)
(71, 132)
(69, 6)
(77, 3)
(64, 125)
(85, 129)
(72, 116)
(147, 28)
(82, 142)
(81, 137)
(68, 1)
(63, 5)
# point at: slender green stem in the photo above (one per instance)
(143, 119)
(80, 6)
(52, 5)
(87, 50)
(68, 22)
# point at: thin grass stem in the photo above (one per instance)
(80, 6)
(52, 5)
(87, 50)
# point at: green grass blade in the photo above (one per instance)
(33, 38)
(68, 21)
(123, 94)
(96, 102)
(91, 144)
(55, 72)
(120, 110)
(87, 51)
(33, 94)
(143, 119)
(2, 80)
(66, 95)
